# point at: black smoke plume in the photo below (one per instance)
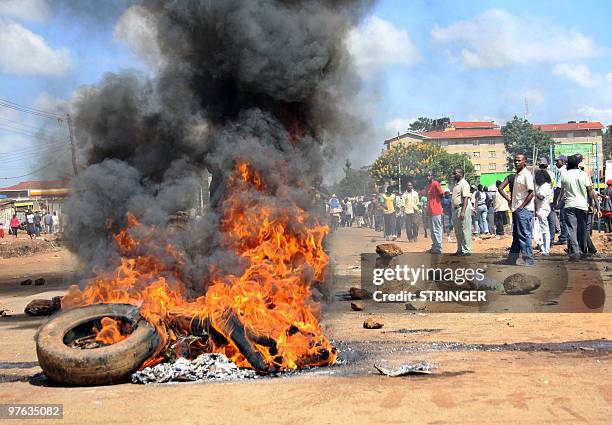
(266, 81)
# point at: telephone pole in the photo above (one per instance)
(72, 149)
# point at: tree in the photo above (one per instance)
(520, 136)
(412, 161)
(421, 124)
(354, 183)
(428, 124)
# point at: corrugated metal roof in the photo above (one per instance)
(38, 184)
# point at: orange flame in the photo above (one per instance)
(110, 333)
(270, 299)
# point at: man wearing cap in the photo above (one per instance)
(561, 162)
(523, 208)
(552, 222)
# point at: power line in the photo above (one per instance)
(22, 124)
(51, 138)
(30, 110)
(9, 127)
(33, 172)
(23, 155)
(30, 148)
(26, 127)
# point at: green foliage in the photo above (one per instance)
(354, 183)
(520, 137)
(421, 124)
(428, 124)
(415, 160)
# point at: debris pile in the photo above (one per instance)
(206, 367)
(420, 368)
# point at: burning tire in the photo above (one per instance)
(105, 365)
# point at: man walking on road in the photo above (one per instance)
(462, 214)
(522, 212)
(434, 209)
(411, 211)
(389, 214)
(577, 194)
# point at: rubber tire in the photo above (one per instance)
(100, 366)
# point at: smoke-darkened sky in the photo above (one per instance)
(468, 60)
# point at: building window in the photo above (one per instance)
(475, 154)
(491, 154)
(492, 166)
(475, 142)
(477, 167)
(444, 142)
(491, 141)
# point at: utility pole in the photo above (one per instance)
(526, 108)
(72, 149)
(399, 173)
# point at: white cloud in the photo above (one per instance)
(379, 44)
(592, 113)
(137, 31)
(47, 102)
(398, 125)
(25, 10)
(27, 53)
(496, 38)
(578, 73)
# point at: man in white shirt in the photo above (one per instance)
(500, 204)
(577, 194)
(462, 213)
(522, 212)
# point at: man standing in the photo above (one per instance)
(389, 214)
(462, 214)
(558, 201)
(501, 211)
(447, 206)
(522, 212)
(399, 214)
(37, 223)
(576, 193)
(434, 210)
(411, 211)
(30, 224)
(552, 222)
(48, 220)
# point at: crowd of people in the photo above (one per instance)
(34, 224)
(539, 205)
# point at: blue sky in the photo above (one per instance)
(469, 60)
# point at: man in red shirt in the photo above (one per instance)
(434, 208)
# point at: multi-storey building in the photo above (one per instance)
(484, 143)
